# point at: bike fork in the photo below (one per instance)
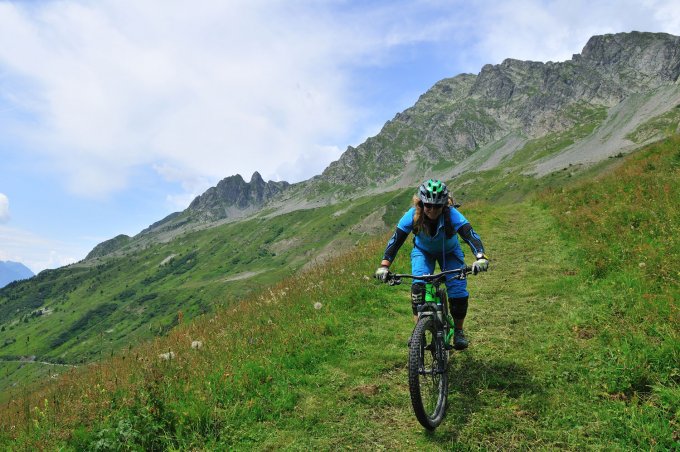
(438, 366)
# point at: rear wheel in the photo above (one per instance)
(427, 378)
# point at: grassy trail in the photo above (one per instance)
(504, 392)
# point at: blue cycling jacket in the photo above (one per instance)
(434, 245)
(438, 244)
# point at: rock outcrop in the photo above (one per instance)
(528, 99)
(233, 197)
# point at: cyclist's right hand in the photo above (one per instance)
(382, 273)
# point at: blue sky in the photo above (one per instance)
(115, 113)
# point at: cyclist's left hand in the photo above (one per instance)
(480, 265)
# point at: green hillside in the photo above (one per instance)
(81, 313)
(574, 332)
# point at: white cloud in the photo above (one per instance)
(312, 162)
(4, 208)
(192, 184)
(666, 13)
(36, 252)
(190, 181)
(181, 201)
(99, 88)
(225, 88)
(553, 31)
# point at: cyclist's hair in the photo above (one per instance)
(419, 216)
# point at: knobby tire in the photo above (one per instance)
(427, 376)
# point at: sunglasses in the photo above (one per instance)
(433, 206)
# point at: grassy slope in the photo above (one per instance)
(86, 313)
(574, 345)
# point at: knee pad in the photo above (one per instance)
(417, 296)
(458, 307)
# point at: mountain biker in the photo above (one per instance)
(435, 222)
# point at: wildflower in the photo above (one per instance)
(317, 305)
(167, 356)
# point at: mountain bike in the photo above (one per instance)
(429, 347)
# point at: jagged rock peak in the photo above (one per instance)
(460, 115)
(256, 178)
(233, 194)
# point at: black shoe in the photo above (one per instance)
(460, 342)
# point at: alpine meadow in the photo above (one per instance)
(252, 321)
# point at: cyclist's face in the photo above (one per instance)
(432, 211)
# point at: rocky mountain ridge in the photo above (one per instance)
(525, 99)
(589, 105)
(233, 197)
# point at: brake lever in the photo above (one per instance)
(394, 281)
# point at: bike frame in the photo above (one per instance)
(433, 302)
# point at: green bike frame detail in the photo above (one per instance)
(431, 297)
(431, 294)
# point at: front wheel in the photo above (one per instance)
(427, 378)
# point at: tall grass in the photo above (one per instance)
(627, 225)
(252, 358)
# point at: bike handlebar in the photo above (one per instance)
(394, 279)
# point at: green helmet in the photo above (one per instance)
(434, 192)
